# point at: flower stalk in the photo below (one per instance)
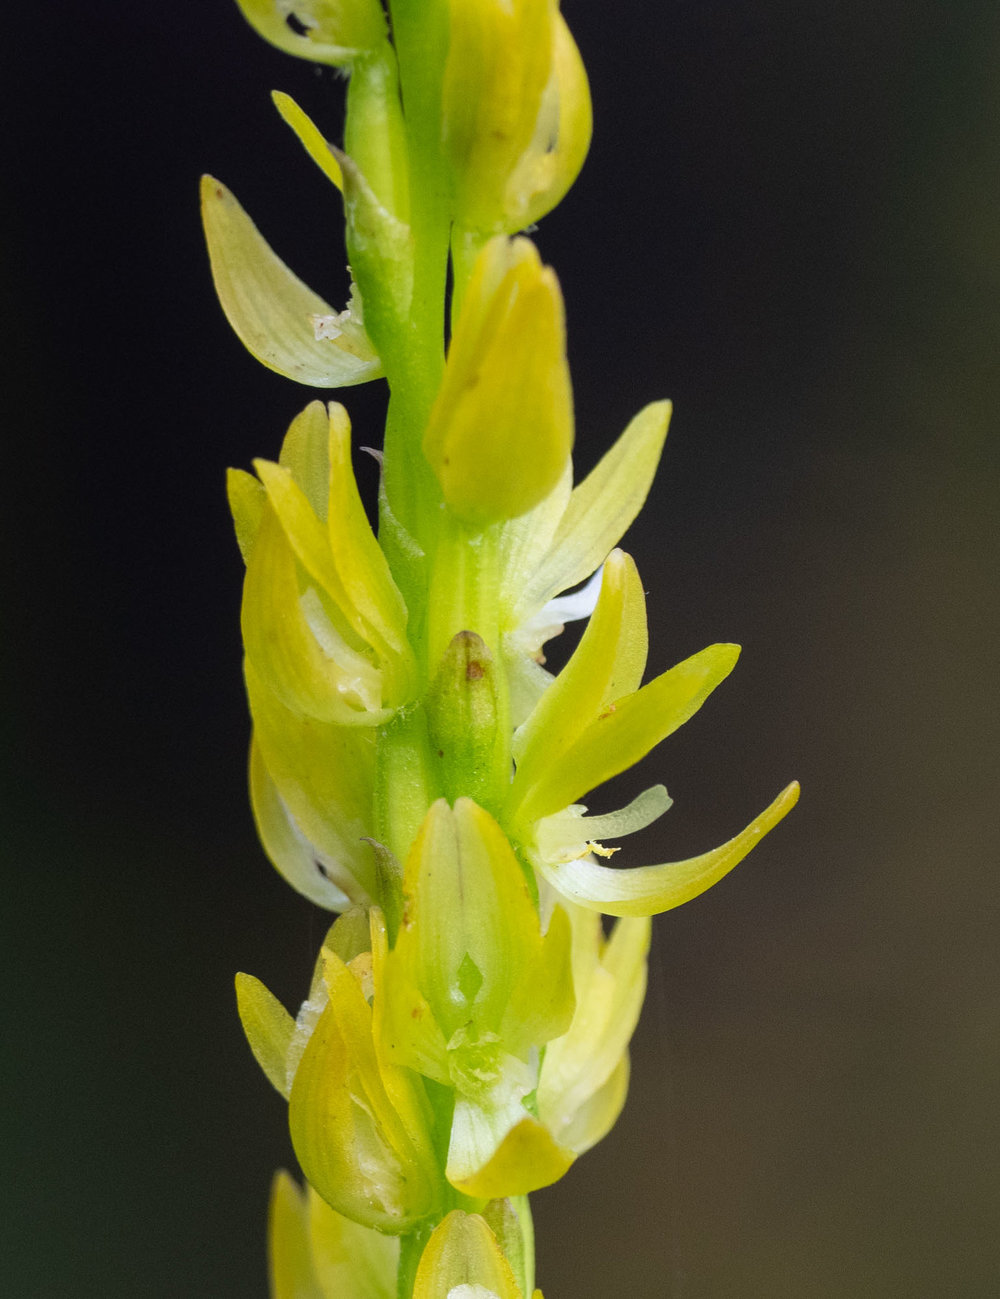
(414, 767)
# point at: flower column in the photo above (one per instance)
(413, 765)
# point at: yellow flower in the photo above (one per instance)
(594, 721)
(472, 989)
(327, 656)
(361, 1126)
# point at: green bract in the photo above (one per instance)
(413, 764)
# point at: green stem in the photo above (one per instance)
(410, 1249)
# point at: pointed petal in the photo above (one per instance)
(246, 503)
(270, 308)
(360, 561)
(599, 1113)
(648, 890)
(305, 453)
(600, 509)
(289, 1250)
(626, 731)
(296, 646)
(607, 664)
(310, 137)
(268, 1026)
(510, 1221)
(463, 1260)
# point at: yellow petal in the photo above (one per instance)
(298, 645)
(648, 890)
(360, 562)
(246, 503)
(499, 62)
(268, 1026)
(607, 664)
(463, 1256)
(324, 774)
(546, 170)
(270, 308)
(310, 137)
(584, 1076)
(600, 510)
(625, 731)
(527, 1159)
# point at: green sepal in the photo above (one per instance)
(510, 1221)
(462, 712)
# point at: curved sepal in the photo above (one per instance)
(648, 890)
(279, 319)
(621, 733)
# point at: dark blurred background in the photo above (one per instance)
(790, 224)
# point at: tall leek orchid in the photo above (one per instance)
(414, 765)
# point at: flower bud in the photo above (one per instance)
(462, 720)
(360, 1128)
(462, 1258)
(501, 430)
